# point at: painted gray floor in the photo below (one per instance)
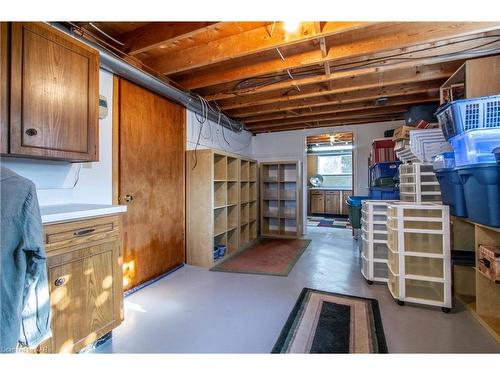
(194, 310)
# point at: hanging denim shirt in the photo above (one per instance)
(24, 292)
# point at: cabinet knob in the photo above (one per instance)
(59, 281)
(31, 132)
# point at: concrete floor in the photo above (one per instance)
(194, 310)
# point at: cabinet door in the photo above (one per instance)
(345, 194)
(85, 296)
(332, 202)
(317, 203)
(54, 97)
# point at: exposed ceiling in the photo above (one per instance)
(323, 74)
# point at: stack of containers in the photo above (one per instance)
(427, 143)
(383, 180)
(418, 183)
(382, 151)
(374, 240)
(419, 264)
(472, 126)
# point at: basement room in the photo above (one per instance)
(287, 179)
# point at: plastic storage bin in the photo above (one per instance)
(481, 184)
(382, 151)
(418, 183)
(384, 193)
(427, 143)
(382, 172)
(462, 115)
(445, 160)
(354, 210)
(452, 191)
(475, 146)
(497, 155)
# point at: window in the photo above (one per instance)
(335, 164)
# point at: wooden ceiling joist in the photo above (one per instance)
(330, 117)
(363, 121)
(156, 34)
(402, 36)
(339, 108)
(356, 96)
(244, 44)
(347, 84)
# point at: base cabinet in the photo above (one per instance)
(85, 280)
(330, 202)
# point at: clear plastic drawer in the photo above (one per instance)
(412, 179)
(411, 197)
(380, 250)
(425, 290)
(380, 270)
(404, 188)
(411, 224)
(423, 266)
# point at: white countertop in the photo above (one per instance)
(328, 188)
(75, 211)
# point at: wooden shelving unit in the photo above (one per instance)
(221, 199)
(479, 294)
(280, 191)
(248, 201)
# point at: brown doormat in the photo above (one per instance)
(324, 322)
(266, 257)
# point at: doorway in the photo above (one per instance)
(330, 179)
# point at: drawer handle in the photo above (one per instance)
(31, 132)
(59, 281)
(84, 232)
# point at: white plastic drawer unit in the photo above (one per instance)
(417, 267)
(413, 179)
(425, 188)
(415, 168)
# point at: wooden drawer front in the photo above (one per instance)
(332, 192)
(80, 232)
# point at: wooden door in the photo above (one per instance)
(317, 203)
(54, 94)
(151, 139)
(85, 304)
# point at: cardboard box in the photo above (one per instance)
(402, 132)
(489, 262)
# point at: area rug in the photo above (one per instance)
(267, 257)
(328, 223)
(324, 322)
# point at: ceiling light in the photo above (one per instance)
(291, 26)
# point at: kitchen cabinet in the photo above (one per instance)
(85, 281)
(330, 202)
(317, 202)
(54, 94)
(345, 194)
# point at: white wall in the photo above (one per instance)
(55, 181)
(212, 137)
(291, 145)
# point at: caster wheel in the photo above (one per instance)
(369, 282)
(446, 310)
(400, 303)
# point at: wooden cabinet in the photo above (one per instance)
(85, 280)
(54, 94)
(344, 195)
(4, 103)
(476, 77)
(331, 202)
(317, 203)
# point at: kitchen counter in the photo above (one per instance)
(75, 211)
(329, 188)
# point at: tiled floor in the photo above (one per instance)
(194, 310)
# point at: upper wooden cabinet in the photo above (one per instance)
(54, 94)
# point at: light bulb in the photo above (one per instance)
(291, 26)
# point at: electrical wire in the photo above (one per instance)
(251, 84)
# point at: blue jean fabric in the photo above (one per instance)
(24, 291)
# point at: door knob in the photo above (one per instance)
(128, 198)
